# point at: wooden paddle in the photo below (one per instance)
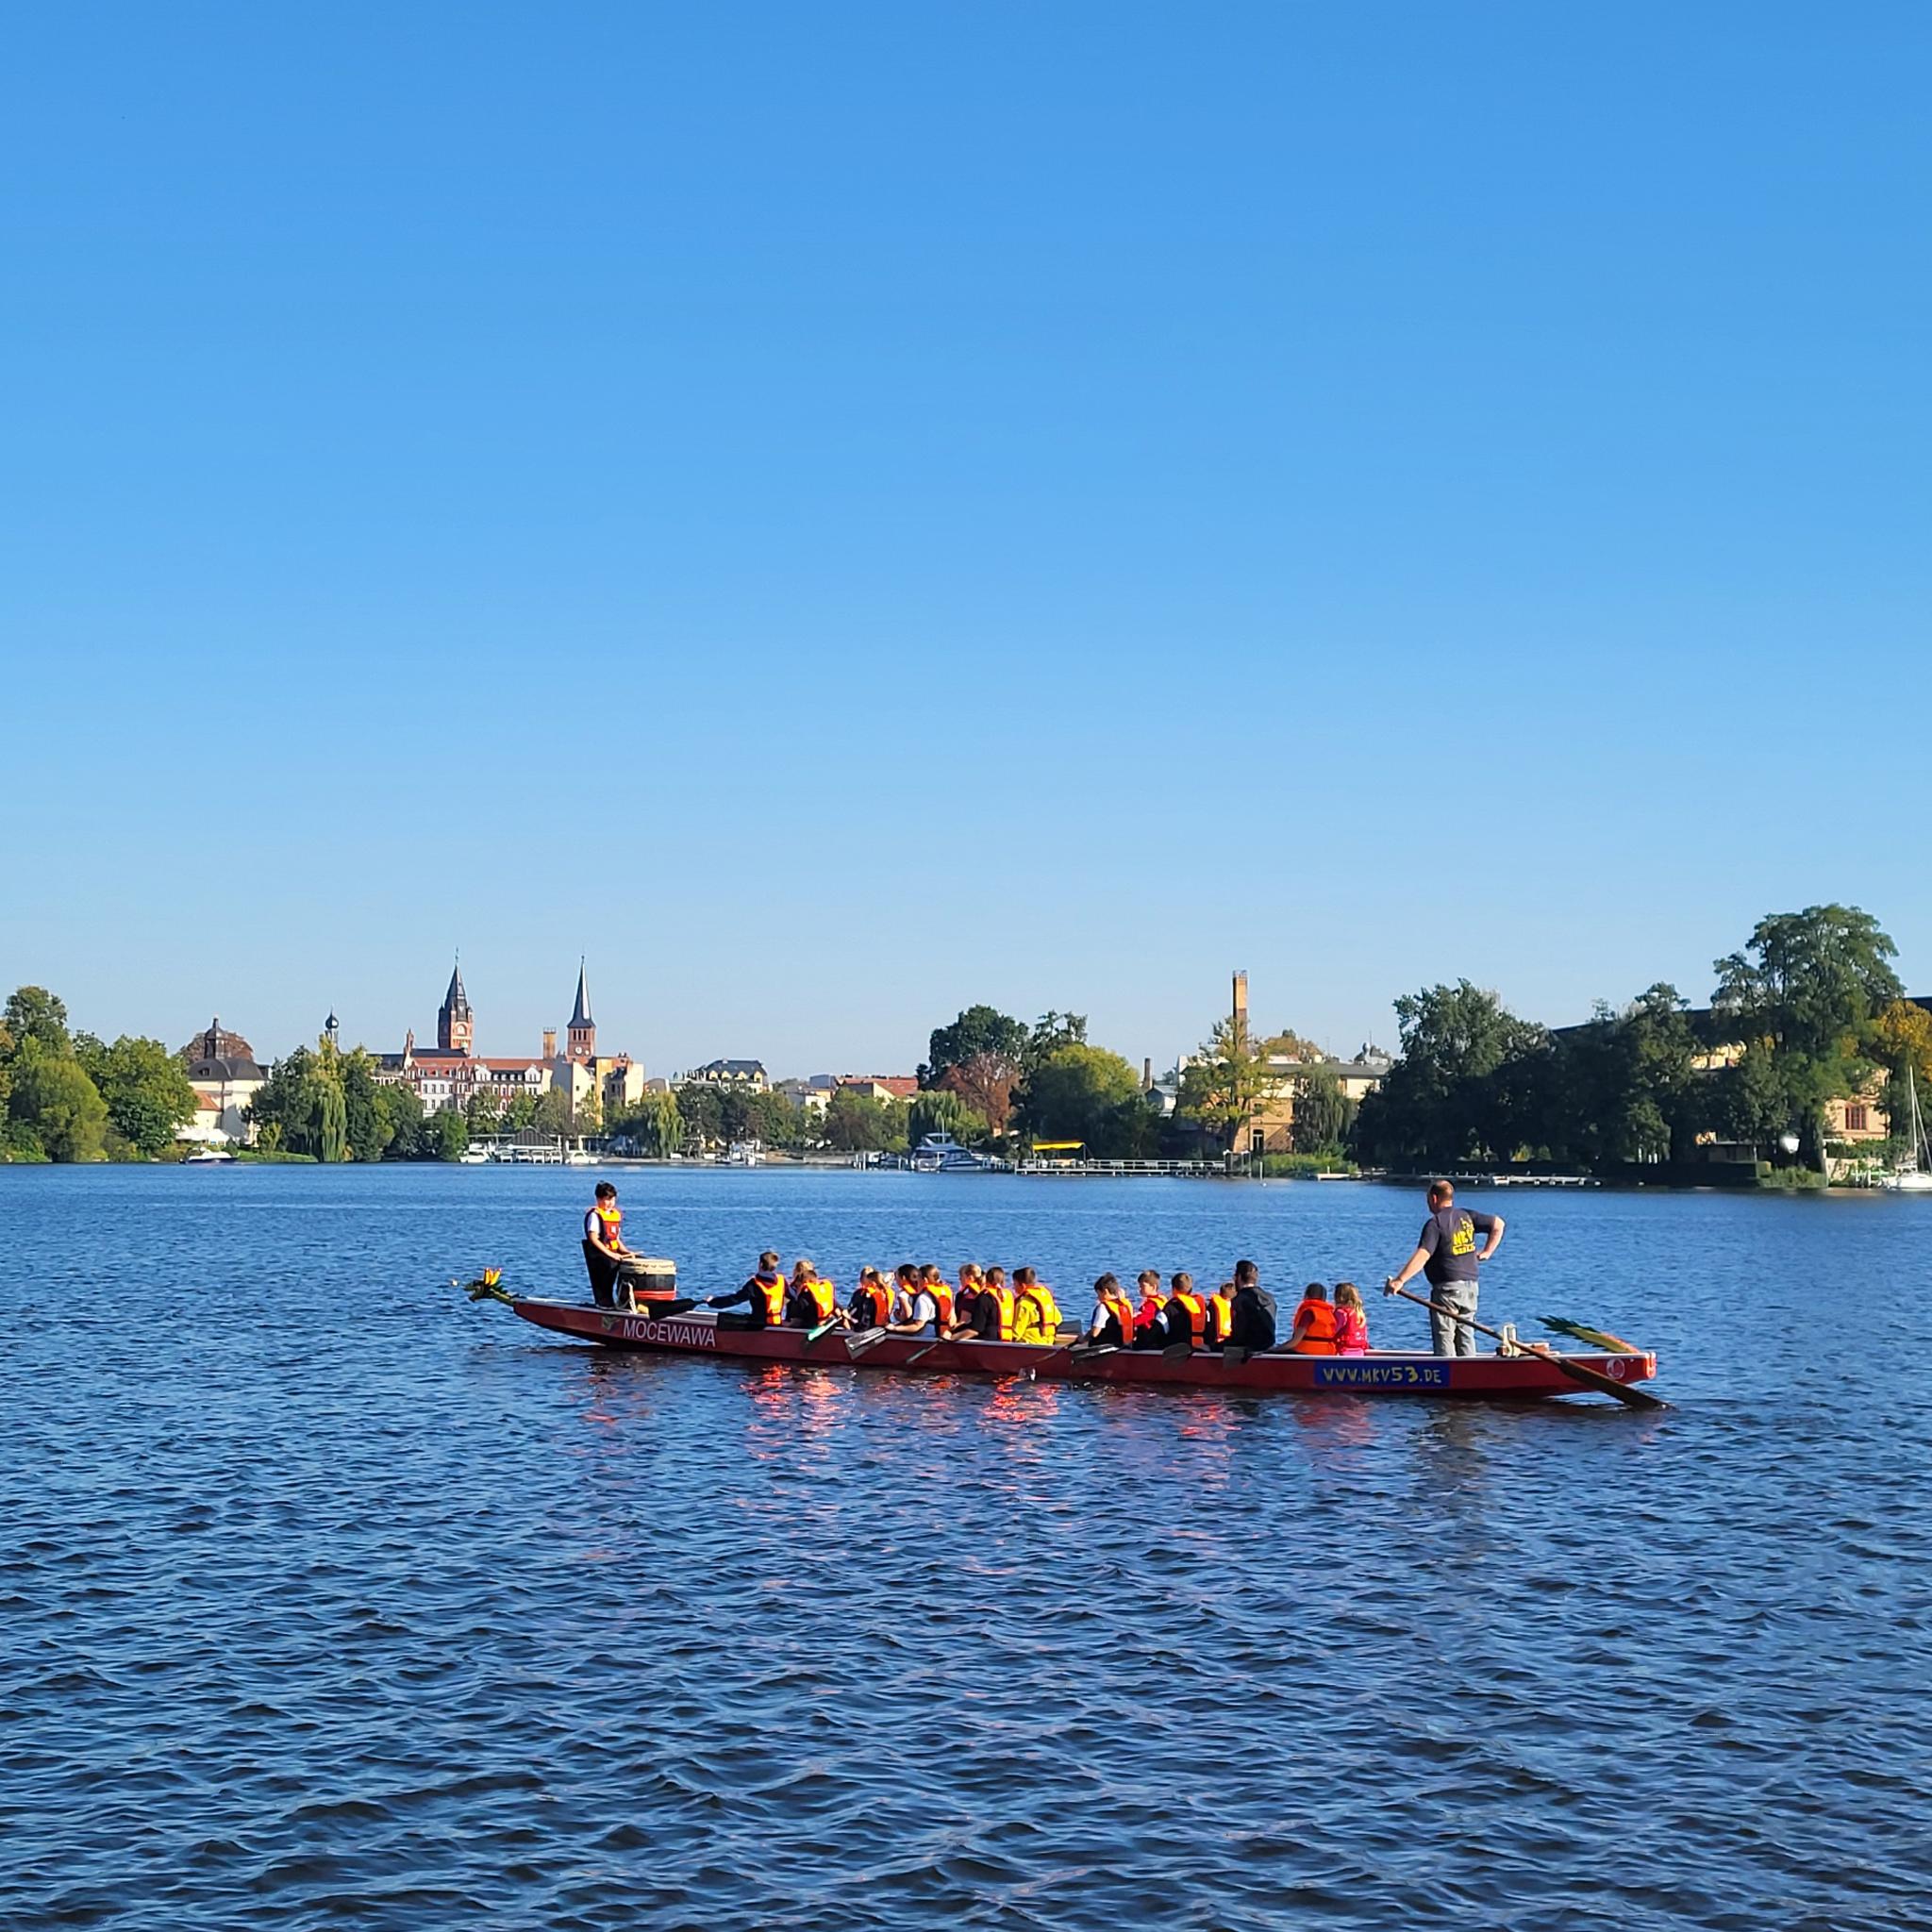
(1591, 1379)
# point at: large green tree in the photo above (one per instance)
(857, 1124)
(944, 1112)
(1225, 1082)
(1805, 990)
(400, 1113)
(53, 1100)
(655, 1124)
(1323, 1113)
(369, 1125)
(980, 1057)
(286, 1111)
(1469, 1082)
(1900, 1040)
(34, 1013)
(145, 1088)
(1080, 1092)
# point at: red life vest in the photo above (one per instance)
(1318, 1336)
(1351, 1332)
(772, 1289)
(1150, 1313)
(1197, 1316)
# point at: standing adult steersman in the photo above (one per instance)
(604, 1248)
(1448, 1255)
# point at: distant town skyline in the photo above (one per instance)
(765, 501)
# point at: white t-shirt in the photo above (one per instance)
(926, 1312)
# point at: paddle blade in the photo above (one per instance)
(1596, 1337)
(1595, 1379)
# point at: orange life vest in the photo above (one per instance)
(943, 1300)
(773, 1293)
(825, 1297)
(1318, 1336)
(873, 1296)
(1122, 1309)
(610, 1225)
(1003, 1302)
(1220, 1316)
(1197, 1316)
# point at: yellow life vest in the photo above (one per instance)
(1038, 1317)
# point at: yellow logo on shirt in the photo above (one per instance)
(1463, 1240)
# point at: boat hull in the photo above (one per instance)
(1492, 1378)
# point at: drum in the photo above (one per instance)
(646, 1278)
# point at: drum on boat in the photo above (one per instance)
(647, 1279)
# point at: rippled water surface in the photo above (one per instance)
(331, 1600)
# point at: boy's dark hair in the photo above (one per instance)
(768, 1259)
(1246, 1275)
(1105, 1282)
(606, 1191)
(1315, 1292)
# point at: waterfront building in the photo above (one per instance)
(746, 1073)
(811, 1095)
(614, 1081)
(225, 1076)
(878, 1086)
(452, 1073)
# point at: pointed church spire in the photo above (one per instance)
(581, 1039)
(456, 1000)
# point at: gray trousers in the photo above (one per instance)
(1452, 1337)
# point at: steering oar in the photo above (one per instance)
(1591, 1379)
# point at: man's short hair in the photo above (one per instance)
(606, 1191)
(1245, 1274)
(768, 1259)
(1442, 1192)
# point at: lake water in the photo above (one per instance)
(331, 1600)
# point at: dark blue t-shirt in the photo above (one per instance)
(1449, 1239)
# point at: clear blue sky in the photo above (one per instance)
(841, 511)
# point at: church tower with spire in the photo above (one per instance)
(581, 1041)
(456, 1030)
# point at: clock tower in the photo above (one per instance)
(456, 1029)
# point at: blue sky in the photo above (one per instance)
(838, 512)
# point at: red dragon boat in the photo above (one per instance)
(1529, 1376)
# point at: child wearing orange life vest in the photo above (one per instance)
(870, 1306)
(1350, 1320)
(811, 1302)
(1313, 1331)
(1112, 1323)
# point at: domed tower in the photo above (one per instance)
(581, 1039)
(456, 1030)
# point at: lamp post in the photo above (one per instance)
(1788, 1141)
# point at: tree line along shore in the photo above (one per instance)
(1809, 1018)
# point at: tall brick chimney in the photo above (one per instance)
(550, 1042)
(1240, 1001)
